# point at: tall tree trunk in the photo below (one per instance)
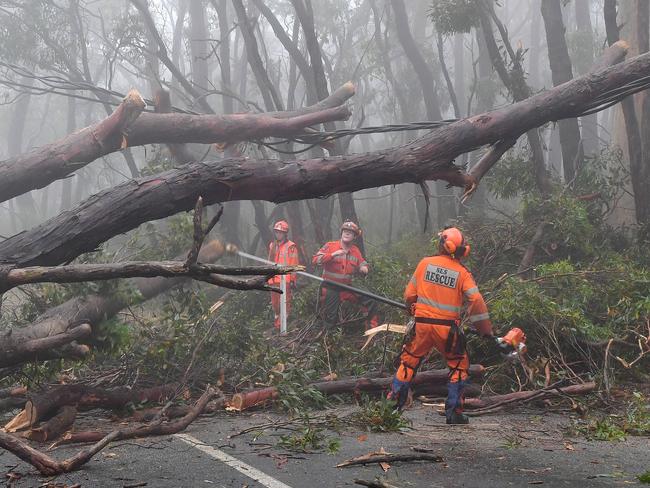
(589, 123)
(445, 202)
(561, 71)
(515, 82)
(642, 192)
(305, 14)
(199, 46)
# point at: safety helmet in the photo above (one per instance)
(351, 226)
(281, 225)
(453, 242)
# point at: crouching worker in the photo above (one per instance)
(285, 253)
(341, 260)
(435, 296)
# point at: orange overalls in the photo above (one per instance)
(341, 269)
(286, 254)
(435, 294)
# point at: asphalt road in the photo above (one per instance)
(500, 450)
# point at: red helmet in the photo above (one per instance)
(453, 242)
(281, 225)
(351, 226)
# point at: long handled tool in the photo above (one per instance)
(333, 284)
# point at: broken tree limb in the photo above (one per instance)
(41, 405)
(59, 159)
(423, 380)
(378, 457)
(14, 391)
(75, 273)
(55, 426)
(490, 404)
(132, 203)
(49, 466)
(147, 415)
(92, 309)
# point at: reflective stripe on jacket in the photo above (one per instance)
(285, 254)
(340, 268)
(438, 287)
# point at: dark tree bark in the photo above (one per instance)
(126, 206)
(561, 72)
(127, 126)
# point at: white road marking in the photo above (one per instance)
(233, 462)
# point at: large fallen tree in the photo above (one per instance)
(126, 206)
(72, 320)
(127, 126)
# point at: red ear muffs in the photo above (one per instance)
(448, 245)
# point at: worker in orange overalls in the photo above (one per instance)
(284, 252)
(341, 260)
(435, 296)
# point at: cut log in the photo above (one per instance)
(421, 383)
(54, 427)
(49, 466)
(127, 127)
(41, 405)
(132, 203)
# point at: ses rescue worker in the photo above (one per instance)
(435, 296)
(285, 253)
(341, 260)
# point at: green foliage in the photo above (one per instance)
(309, 439)
(452, 16)
(380, 416)
(294, 394)
(512, 177)
(645, 477)
(635, 420)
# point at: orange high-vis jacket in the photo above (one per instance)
(285, 254)
(437, 289)
(340, 269)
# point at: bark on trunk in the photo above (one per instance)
(422, 381)
(41, 405)
(589, 124)
(128, 127)
(561, 72)
(128, 205)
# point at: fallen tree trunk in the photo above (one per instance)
(127, 127)
(132, 203)
(49, 466)
(22, 344)
(14, 391)
(54, 427)
(41, 405)
(422, 382)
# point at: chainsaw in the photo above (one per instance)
(513, 344)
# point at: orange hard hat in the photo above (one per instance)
(351, 226)
(453, 243)
(281, 225)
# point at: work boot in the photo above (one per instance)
(399, 393)
(455, 418)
